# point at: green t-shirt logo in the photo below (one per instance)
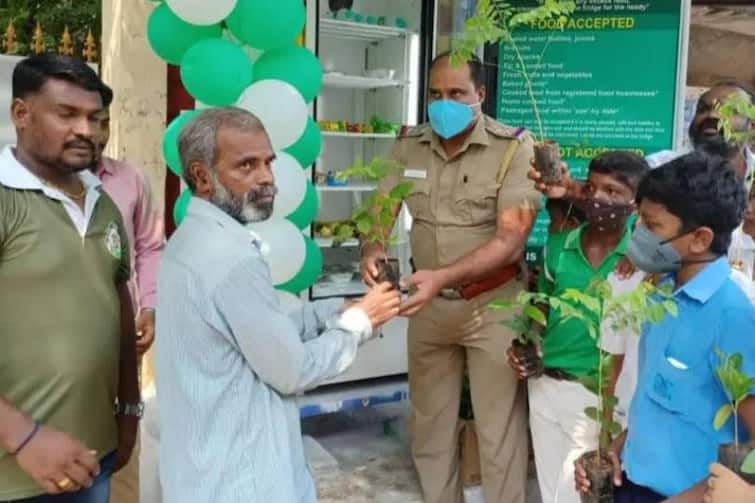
(113, 240)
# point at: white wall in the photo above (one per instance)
(7, 132)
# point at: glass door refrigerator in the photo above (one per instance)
(374, 55)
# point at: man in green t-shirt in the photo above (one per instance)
(561, 431)
(69, 396)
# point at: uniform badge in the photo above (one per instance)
(113, 240)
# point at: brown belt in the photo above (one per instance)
(472, 290)
(559, 375)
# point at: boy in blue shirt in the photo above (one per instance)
(688, 209)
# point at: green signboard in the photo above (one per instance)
(607, 77)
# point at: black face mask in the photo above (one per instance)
(606, 214)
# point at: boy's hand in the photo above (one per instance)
(625, 268)
(581, 481)
(519, 369)
(564, 188)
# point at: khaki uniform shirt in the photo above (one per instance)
(455, 202)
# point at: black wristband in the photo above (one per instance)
(27, 439)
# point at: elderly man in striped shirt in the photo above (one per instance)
(229, 360)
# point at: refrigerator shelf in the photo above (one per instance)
(342, 81)
(356, 187)
(328, 242)
(357, 136)
(359, 31)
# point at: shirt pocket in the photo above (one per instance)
(683, 392)
(477, 202)
(418, 200)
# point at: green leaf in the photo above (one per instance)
(518, 325)
(615, 429)
(736, 361)
(592, 413)
(364, 225)
(535, 314)
(671, 308)
(748, 466)
(400, 191)
(592, 331)
(722, 416)
(501, 305)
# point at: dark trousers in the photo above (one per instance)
(630, 492)
(98, 493)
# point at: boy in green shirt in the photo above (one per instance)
(561, 431)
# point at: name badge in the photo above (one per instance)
(419, 174)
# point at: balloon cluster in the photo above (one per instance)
(243, 53)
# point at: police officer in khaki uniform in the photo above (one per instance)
(472, 207)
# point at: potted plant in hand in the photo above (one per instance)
(737, 386)
(647, 303)
(594, 305)
(528, 326)
(373, 220)
(494, 22)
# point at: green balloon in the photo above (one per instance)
(170, 139)
(216, 71)
(266, 25)
(307, 210)
(307, 148)
(295, 65)
(309, 272)
(170, 37)
(181, 206)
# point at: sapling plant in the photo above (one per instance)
(527, 326)
(495, 21)
(373, 220)
(737, 387)
(597, 304)
(734, 113)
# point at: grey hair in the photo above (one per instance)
(198, 139)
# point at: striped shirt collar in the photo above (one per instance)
(203, 209)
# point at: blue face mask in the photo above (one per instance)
(651, 253)
(448, 118)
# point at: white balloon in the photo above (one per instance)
(288, 301)
(283, 248)
(280, 107)
(291, 182)
(202, 12)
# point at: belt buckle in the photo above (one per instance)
(450, 294)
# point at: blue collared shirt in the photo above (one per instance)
(671, 440)
(229, 364)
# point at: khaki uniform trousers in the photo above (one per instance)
(444, 337)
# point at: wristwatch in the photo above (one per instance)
(130, 409)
